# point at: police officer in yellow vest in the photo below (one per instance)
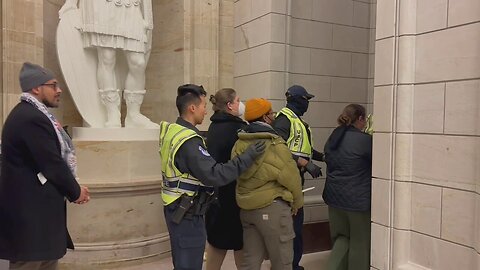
(296, 132)
(189, 174)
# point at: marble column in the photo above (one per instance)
(425, 205)
(22, 40)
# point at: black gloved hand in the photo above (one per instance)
(256, 149)
(314, 170)
(322, 157)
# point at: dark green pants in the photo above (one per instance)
(350, 232)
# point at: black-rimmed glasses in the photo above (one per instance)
(55, 85)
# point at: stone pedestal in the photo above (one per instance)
(124, 219)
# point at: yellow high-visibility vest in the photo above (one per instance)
(299, 141)
(175, 183)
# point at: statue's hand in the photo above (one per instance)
(147, 25)
(69, 5)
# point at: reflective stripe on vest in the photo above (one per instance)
(176, 183)
(298, 142)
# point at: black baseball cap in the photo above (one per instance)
(298, 90)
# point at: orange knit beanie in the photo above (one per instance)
(256, 107)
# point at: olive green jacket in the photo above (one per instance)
(274, 174)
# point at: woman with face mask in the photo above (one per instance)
(224, 229)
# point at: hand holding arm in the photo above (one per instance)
(194, 159)
(256, 149)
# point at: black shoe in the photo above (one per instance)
(298, 267)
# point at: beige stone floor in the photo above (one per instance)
(309, 261)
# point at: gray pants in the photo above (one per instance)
(268, 232)
(35, 265)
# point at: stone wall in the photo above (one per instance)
(22, 40)
(426, 184)
(323, 45)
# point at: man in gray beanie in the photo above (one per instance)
(38, 172)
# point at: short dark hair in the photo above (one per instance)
(188, 94)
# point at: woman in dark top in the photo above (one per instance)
(348, 154)
(224, 228)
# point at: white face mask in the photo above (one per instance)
(241, 108)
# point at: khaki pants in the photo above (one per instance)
(35, 265)
(350, 232)
(268, 232)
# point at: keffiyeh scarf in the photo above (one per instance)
(66, 144)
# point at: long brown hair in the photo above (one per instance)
(350, 114)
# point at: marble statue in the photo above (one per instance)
(107, 29)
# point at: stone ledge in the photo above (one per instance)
(111, 255)
(114, 134)
(132, 188)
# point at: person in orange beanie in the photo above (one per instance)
(259, 108)
(268, 193)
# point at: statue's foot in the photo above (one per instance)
(139, 121)
(113, 118)
(113, 124)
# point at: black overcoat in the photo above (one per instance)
(33, 223)
(224, 228)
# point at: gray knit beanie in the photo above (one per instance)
(32, 75)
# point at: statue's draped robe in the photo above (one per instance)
(118, 24)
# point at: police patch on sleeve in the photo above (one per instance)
(204, 151)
